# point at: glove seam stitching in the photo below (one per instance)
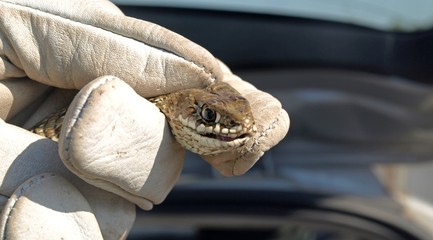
(256, 143)
(20, 192)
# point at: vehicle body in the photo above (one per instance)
(357, 162)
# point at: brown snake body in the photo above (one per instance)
(206, 121)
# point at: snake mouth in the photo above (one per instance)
(217, 131)
(210, 139)
(225, 138)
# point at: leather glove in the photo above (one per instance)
(121, 143)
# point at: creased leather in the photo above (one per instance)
(25, 155)
(118, 141)
(47, 201)
(86, 46)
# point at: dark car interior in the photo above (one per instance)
(350, 92)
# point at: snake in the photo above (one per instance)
(206, 121)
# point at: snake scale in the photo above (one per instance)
(206, 121)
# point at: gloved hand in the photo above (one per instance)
(122, 144)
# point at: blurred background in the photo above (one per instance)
(356, 78)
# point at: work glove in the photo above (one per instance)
(116, 149)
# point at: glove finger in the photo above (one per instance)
(48, 207)
(24, 155)
(116, 140)
(81, 47)
(115, 214)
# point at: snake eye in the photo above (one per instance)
(209, 115)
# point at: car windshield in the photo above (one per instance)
(387, 15)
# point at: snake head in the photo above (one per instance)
(223, 114)
(211, 120)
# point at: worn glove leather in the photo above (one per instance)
(113, 139)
